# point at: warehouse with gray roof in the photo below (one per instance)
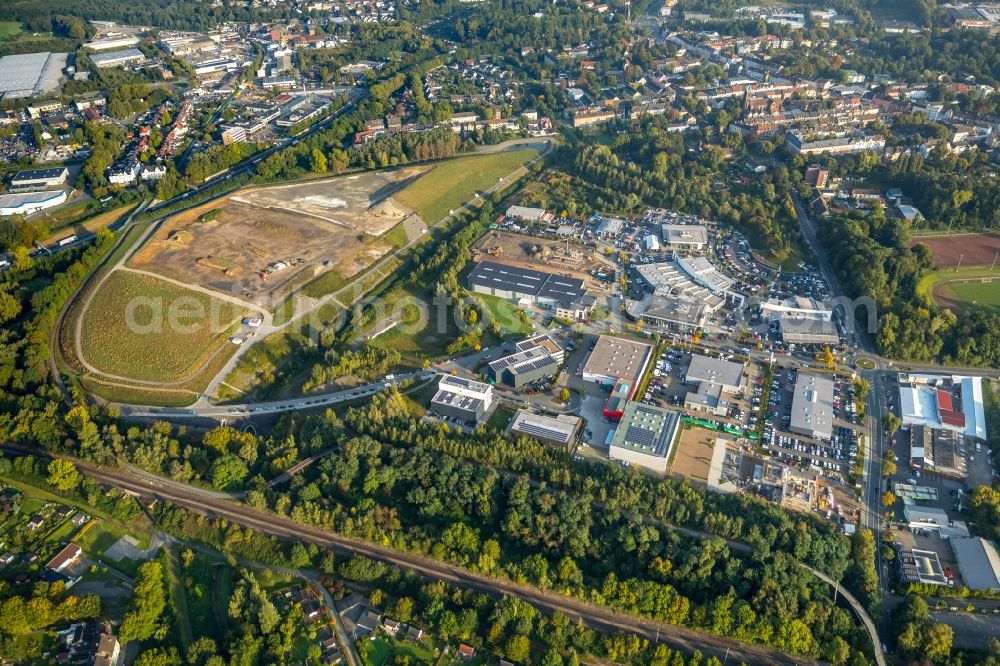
(978, 563)
(812, 406)
(28, 74)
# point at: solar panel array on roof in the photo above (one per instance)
(646, 429)
(526, 282)
(37, 174)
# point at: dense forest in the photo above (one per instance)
(168, 14)
(874, 258)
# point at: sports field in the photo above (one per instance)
(452, 183)
(964, 289)
(141, 327)
(963, 249)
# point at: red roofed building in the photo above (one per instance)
(65, 557)
(946, 408)
(620, 395)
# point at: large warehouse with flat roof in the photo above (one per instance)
(978, 563)
(30, 74)
(645, 436)
(30, 202)
(566, 295)
(616, 358)
(31, 180)
(812, 406)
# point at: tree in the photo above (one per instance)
(564, 395)
(552, 658)
(227, 471)
(148, 602)
(318, 162)
(888, 499)
(888, 464)
(22, 258)
(517, 648)
(891, 423)
(10, 307)
(63, 475)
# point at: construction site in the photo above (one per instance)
(260, 243)
(555, 256)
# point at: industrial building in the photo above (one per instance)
(716, 378)
(118, 58)
(463, 399)
(668, 313)
(926, 517)
(812, 406)
(938, 450)
(685, 236)
(948, 402)
(29, 74)
(109, 43)
(522, 367)
(529, 214)
(807, 331)
(613, 358)
(668, 279)
(978, 563)
(920, 566)
(802, 320)
(30, 202)
(560, 430)
(32, 180)
(645, 436)
(565, 295)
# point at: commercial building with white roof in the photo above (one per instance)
(812, 406)
(30, 202)
(685, 235)
(30, 74)
(950, 402)
(616, 358)
(667, 279)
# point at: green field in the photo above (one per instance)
(506, 315)
(409, 337)
(382, 649)
(452, 183)
(141, 327)
(973, 287)
(9, 29)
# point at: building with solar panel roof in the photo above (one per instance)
(462, 399)
(645, 436)
(535, 358)
(560, 430)
(565, 295)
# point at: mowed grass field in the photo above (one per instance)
(141, 327)
(454, 182)
(9, 29)
(963, 289)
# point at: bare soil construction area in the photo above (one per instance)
(970, 249)
(259, 243)
(541, 254)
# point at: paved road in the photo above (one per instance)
(597, 617)
(274, 406)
